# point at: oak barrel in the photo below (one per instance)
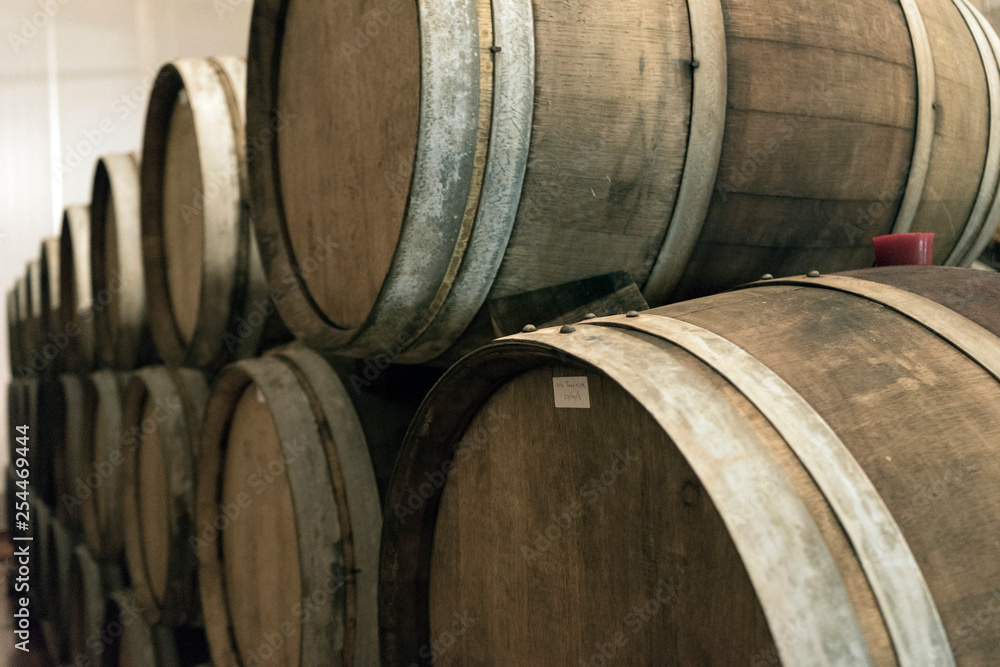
(123, 340)
(32, 318)
(9, 499)
(205, 285)
(21, 301)
(291, 460)
(802, 472)
(56, 574)
(102, 458)
(63, 406)
(417, 158)
(161, 424)
(14, 335)
(76, 305)
(138, 644)
(46, 438)
(51, 341)
(90, 584)
(41, 547)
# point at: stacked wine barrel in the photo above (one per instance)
(224, 363)
(447, 155)
(802, 472)
(162, 267)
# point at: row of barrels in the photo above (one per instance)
(441, 157)
(176, 498)
(162, 264)
(84, 607)
(374, 214)
(88, 613)
(809, 465)
(81, 589)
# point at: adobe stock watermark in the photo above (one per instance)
(79, 153)
(42, 356)
(374, 22)
(224, 7)
(35, 23)
(99, 642)
(317, 600)
(434, 480)
(224, 182)
(790, 632)
(741, 175)
(164, 408)
(378, 364)
(255, 319)
(256, 484)
(433, 650)
(667, 594)
(590, 493)
(976, 623)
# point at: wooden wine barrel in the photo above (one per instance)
(32, 318)
(289, 469)
(76, 305)
(121, 325)
(102, 458)
(14, 335)
(56, 573)
(23, 314)
(142, 645)
(802, 472)
(161, 425)
(52, 340)
(205, 285)
(90, 584)
(63, 405)
(48, 433)
(41, 521)
(482, 150)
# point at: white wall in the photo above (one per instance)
(74, 78)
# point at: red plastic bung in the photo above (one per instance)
(900, 249)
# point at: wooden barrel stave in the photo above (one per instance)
(10, 489)
(163, 410)
(21, 289)
(47, 440)
(912, 410)
(76, 313)
(13, 417)
(49, 338)
(62, 542)
(90, 584)
(65, 419)
(288, 471)
(32, 316)
(102, 457)
(124, 341)
(139, 644)
(202, 264)
(41, 521)
(13, 334)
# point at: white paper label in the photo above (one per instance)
(571, 392)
